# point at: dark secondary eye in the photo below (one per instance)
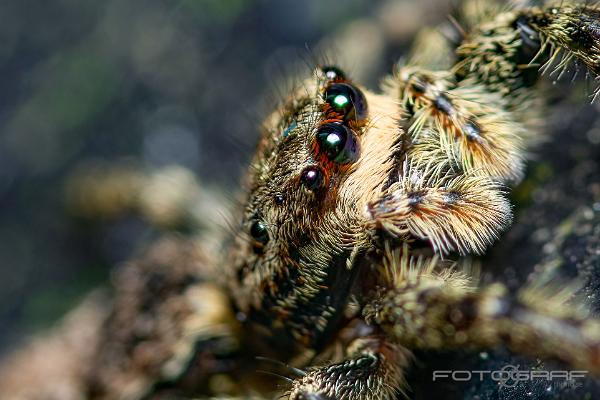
(333, 73)
(346, 100)
(312, 177)
(259, 232)
(338, 142)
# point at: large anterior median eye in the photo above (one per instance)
(338, 142)
(347, 101)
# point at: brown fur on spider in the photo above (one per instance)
(354, 241)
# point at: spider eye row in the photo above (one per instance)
(345, 110)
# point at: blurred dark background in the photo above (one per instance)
(148, 83)
(176, 87)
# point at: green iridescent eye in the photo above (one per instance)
(338, 142)
(347, 101)
(340, 101)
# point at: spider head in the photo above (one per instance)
(317, 165)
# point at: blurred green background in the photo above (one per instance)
(155, 82)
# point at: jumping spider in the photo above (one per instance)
(353, 246)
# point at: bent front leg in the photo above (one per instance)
(454, 213)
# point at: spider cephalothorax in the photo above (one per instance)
(297, 267)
